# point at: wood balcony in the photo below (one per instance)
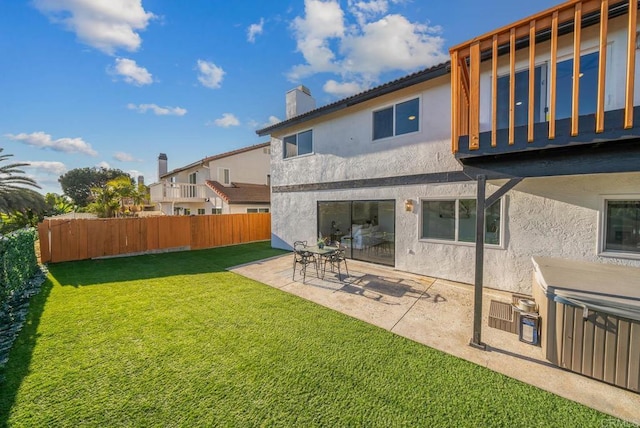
(514, 91)
(177, 192)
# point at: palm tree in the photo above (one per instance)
(14, 196)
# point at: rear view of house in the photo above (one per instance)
(395, 173)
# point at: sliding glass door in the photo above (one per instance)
(366, 228)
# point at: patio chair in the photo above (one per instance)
(335, 260)
(303, 258)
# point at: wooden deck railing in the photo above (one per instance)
(78, 239)
(567, 17)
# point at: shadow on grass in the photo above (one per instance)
(93, 272)
(17, 367)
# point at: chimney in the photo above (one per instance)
(299, 101)
(162, 165)
(141, 180)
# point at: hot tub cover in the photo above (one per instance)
(599, 287)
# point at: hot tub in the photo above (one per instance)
(590, 318)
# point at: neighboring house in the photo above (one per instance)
(395, 172)
(228, 183)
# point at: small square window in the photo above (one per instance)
(298, 144)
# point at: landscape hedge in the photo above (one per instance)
(18, 262)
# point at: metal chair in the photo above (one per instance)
(335, 260)
(303, 258)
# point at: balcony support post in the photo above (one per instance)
(482, 202)
(476, 339)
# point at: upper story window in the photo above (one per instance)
(401, 118)
(298, 144)
(224, 176)
(521, 110)
(621, 226)
(192, 178)
(455, 220)
(564, 87)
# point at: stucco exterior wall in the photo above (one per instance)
(554, 217)
(343, 147)
(249, 167)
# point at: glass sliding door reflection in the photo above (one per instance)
(366, 228)
(334, 220)
(373, 231)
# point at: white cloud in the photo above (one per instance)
(210, 74)
(272, 121)
(131, 72)
(103, 164)
(47, 167)
(124, 157)
(323, 21)
(343, 89)
(44, 141)
(106, 25)
(255, 30)
(367, 10)
(360, 43)
(134, 173)
(157, 110)
(392, 43)
(227, 120)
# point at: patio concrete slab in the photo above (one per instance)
(439, 314)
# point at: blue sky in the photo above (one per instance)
(116, 82)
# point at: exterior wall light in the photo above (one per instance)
(408, 205)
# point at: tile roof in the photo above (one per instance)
(386, 88)
(242, 193)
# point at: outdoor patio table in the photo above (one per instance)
(325, 251)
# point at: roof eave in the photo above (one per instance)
(387, 88)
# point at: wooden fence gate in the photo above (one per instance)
(77, 239)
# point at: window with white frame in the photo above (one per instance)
(224, 176)
(257, 210)
(621, 225)
(455, 220)
(398, 119)
(298, 144)
(201, 211)
(216, 210)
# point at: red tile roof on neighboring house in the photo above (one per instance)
(242, 193)
(216, 157)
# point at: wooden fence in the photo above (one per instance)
(77, 239)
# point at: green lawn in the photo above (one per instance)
(175, 340)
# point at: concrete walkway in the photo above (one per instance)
(439, 314)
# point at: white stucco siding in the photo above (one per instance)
(555, 217)
(248, 167)
(343, 148)
(615, 70)
(202, 174)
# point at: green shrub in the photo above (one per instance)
(18, 262)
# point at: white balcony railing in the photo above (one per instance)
(174, 192)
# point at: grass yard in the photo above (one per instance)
(175, 340)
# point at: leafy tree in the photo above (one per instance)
(57, 204)
(110, 198)
(79, 182)
(15, 194)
